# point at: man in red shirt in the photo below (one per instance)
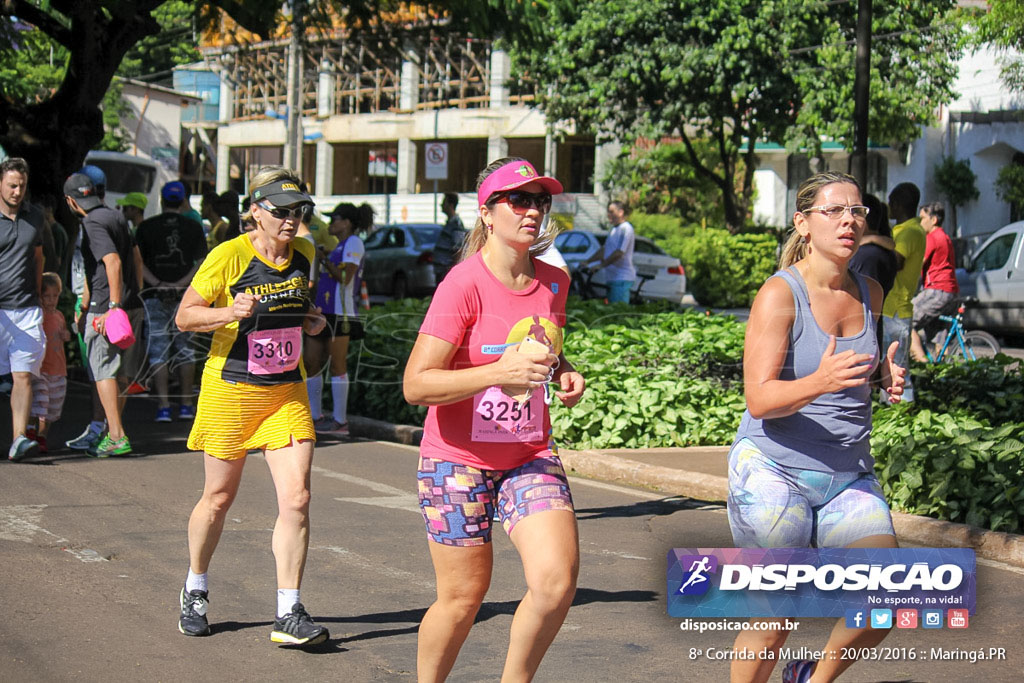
(938, 278)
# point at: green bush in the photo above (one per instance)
(956, 453)
(655, 377)
(725, 270)
(659, 375)
(951, 466)
(668, 232)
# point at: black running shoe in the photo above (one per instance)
(297, 628)
(193, 613)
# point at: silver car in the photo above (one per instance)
(995, 277)
(400, 260)
(668, 277)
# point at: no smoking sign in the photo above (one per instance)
(436, 158)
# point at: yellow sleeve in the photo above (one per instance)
(222, 266)
(304, 247)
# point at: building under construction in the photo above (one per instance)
(369, 114)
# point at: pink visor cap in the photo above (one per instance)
(512, 175)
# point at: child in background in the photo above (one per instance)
(49, 388)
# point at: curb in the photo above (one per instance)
(910, 529)
(595, 464)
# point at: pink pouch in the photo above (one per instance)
(118, 329)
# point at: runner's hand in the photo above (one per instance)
(838, 371)
(524, 370)
(572, 384)
(244, 305)
(894, 378)
(314, 322)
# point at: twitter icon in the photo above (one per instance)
(881, 618)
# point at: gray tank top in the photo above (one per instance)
(832, 433)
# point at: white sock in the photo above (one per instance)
(339, 391)
(195, 582)
(286, 599)
(315, 388)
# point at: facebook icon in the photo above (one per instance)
(856, 618)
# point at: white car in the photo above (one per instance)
(668, 279)
(995, 277)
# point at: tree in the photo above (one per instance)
(958, 182)
(54, 120)
(735, 72)
(657, 178)
(1003, 27)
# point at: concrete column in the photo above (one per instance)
(406, 166)
(501, 66)
(550, 155)
(497, 147)
(409, 86)
(325, 92)
(324, 168)
(602, 155)
(224, 166)
(227, 99)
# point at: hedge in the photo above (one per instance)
(663, 376)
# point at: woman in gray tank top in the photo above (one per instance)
(800, 471)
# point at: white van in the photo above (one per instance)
(126, 173)
(995, 277)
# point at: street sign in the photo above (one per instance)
(436, 159)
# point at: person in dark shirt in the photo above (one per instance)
(449, 241)
(22, 343)
(876, 257)
(172, 247)
(112, 282)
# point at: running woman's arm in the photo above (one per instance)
(571, 382)
(890, 376)
(428, 381)
(764, 351)
(196, 315)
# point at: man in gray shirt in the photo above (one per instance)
(22, 343)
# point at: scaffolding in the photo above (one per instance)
(365, 75)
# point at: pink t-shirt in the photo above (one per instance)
(483, 317)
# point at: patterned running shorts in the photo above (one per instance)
(774, 506)
(459, 501)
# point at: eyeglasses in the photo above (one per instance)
(284, 212)
(835, 211)
(524, 201)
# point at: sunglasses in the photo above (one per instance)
(284, 212)
(524, 201)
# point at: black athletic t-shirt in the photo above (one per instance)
(18, 241)
(105, 231)
(265, 348)
(171, 245)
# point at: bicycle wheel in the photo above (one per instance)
(980, 344)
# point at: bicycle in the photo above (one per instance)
(582, 285)
(970, 346)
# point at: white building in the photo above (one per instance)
(984, 125)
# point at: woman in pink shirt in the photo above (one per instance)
(481, 365)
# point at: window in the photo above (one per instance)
(642, 246)
(395, 238)
(995, 255)
(572, 243)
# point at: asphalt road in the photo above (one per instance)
(94, 553)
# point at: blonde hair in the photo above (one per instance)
(262, 177)
(478, 235)
(53, 280)
(795, 248)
